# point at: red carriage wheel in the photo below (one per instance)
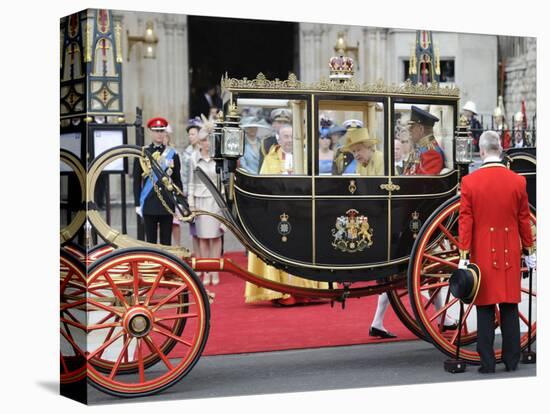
(151, 310)
(107, 323)
(72, 294)
(98, 252)
(428, 275)
(443, 246)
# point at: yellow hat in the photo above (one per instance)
(358, 136)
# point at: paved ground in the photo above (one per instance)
(399, 363)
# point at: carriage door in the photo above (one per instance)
(351, 162)
(423, 170)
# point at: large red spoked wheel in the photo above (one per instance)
(148, 321)
(98, 252)
(399, 300)
(72, 294)
(434, 257)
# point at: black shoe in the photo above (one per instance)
(510, 367)
(452, 327)
(380, 333)
(483, 370)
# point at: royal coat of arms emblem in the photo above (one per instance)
(352, 232)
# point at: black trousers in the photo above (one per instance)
(164, 223)
(509, 325)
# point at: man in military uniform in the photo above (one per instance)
(470, 112)
(279, 117)
(426, 157)
(494, 238)
(148, 205)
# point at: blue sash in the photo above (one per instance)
(148, 186)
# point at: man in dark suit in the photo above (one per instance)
(156, 217)
(494, 227)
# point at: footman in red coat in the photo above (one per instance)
(494, 227)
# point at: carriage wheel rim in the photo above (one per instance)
(433, 333)
(197, 343)
(68, 374)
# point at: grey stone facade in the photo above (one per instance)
(519, 57)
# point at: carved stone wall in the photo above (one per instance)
(519, 56)
(159, 86)
(381, 53)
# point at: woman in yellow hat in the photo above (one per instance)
(369, 160)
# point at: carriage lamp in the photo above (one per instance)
(149, 40)
(463, 143)
(215, 138)
(233, 137)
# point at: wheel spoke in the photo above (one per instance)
(66, 280)
(166, 332)
(158, 277)
(115, 290)
(463, 324)
(141, 368)
(432, 298)
(437, 275)
(72, 323)
(439, 260)
(123, 352)
(135, 273)
(443, 309)
(154, 348)
(105, 345)
(451, 238)
(169, 297)
(63, 363)
(177, 316)
(524, 319)
(109, 334)
(111, 325)
(434, 286)
(104, 307)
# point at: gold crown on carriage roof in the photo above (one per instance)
(341, 64)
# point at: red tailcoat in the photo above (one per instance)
(494, 225)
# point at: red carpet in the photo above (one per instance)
(237, 327)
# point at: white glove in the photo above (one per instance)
(138, 211)
(531, 261)
(463, 263)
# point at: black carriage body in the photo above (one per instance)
(524, 162)
(291, 221)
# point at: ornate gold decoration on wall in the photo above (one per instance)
(325, 85)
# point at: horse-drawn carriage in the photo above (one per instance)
(132, 304)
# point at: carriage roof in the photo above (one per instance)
(345, 87)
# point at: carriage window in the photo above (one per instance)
(351, 138)
(275, 136)
(423, 139)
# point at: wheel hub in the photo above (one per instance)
(138, 321)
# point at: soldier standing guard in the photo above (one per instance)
(426, 157)
(494, 226)
(156, 218)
